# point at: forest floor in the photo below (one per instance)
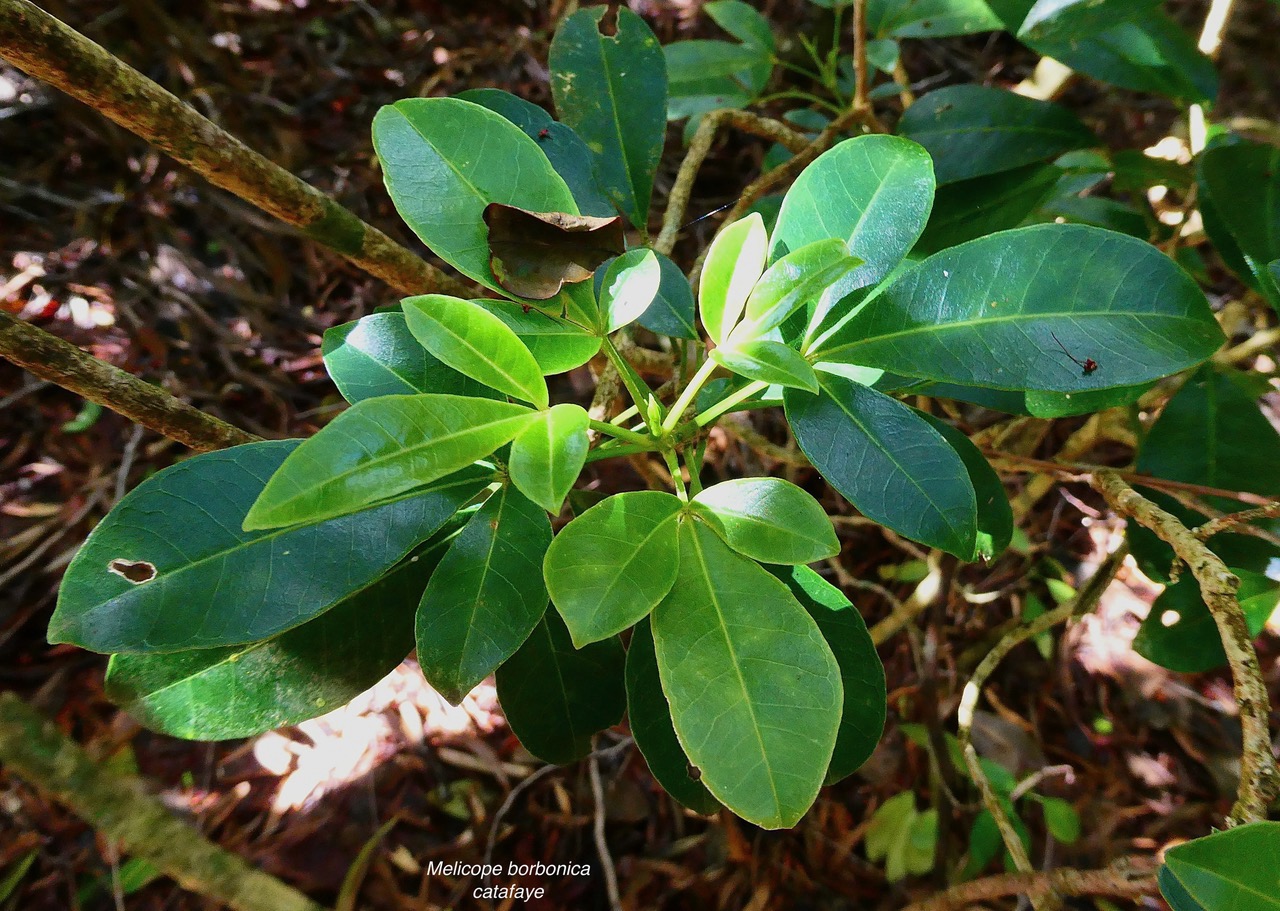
(112, 246)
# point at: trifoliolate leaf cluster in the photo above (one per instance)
(282, 578)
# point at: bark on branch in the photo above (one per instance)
(40, 45)
(61, 362)
(1121, 880)
(120, 807)
(1259, 776)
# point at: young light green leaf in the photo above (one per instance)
(548, 455)
(377, 355)
(973, 130)
(612, 90)
(769, 362)
(861, 673)
(429, 149)
(486, 596)
(154, 575)
(1234, 868)
(555, 697)
(382, 448)
(999, 312)
(649, 717)
(631, 285)
(607, 568)
(735, 262)
(872, 192)
(754, 690)
(768, 519)
(995, 517)
(242, 691)
(558, 345)
(794, 281)
(477, 343)
(889, 462)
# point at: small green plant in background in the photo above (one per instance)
(261, 585)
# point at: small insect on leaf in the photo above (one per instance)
(1087, 366)
(534, 254)
(544, 133)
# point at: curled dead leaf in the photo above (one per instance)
(534, 254)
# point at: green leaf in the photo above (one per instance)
(995, 517)
(649, 716)
(563, 147)
(768, 519)
(548, 455)
(1230, 869)
(1064, 404)
(872, 192)
(242, 691)
(169, 569)
(709, 75)
(1212, 432)
(754, 690)
(999, 311)
(631, 285)
(612, 90)
(671, 312)
(969, 209)
(555, 697)
(889, 462)
(486, 596)
(609, 567)
(477, 343)
(431, 155)
(378, 355)
(382, 448)
(793, 281)
(1242, 181)
(1179, 633)
(742, 22)
(1072, 20)
(930, 18)
(861, 673)
(734, 263)
(769, 362)
(556, 344)
(974, 130)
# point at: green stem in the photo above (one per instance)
(639, 393)
(621, 449)
(726, 404)
(694, 461)
(689, 394)
(673, 465)
(621, 433)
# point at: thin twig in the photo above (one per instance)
(1259, 776)
(861, 80)
(602, 845)
(1124, 879)
(61, 362)
(1232, 520)
(45, 48)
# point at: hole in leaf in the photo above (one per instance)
(609, 22)
(136, 571)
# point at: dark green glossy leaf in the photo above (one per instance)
(969, 209)
(477, 343)
(556, 697)
(1064, 404)
(710, 75)
(862, 674)
(1242, 180)
(1235, 868)
(548, 455)
(974, 130)
(1072, 20)
(444, 160)
(607, 568)
(212, 584)
(1000, 311)
(1180, 634)
(486, 595)
(612, 89)
(768, 519)
(671, 312)
(563, 147)
(649, 717)
(378, 355)
(556, 344)
(242, 691)
(930, 18)
(889, 462)
(872, 192)
(382, 448)
(742, 22)
(754, 689)
(768, 362)
(995, 517)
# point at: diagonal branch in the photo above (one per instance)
(39, 44)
